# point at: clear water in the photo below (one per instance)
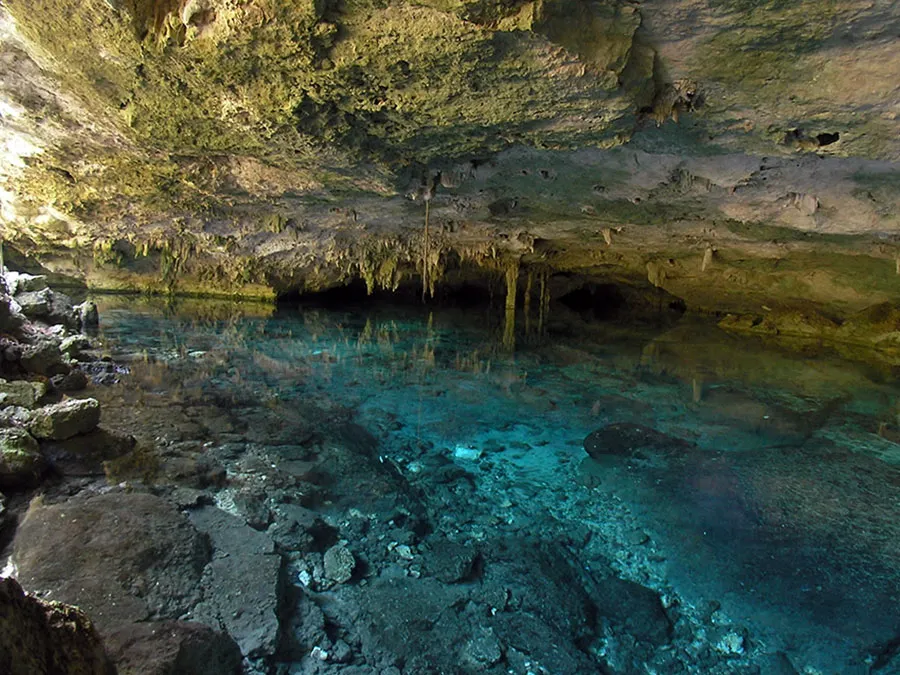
(771, 537)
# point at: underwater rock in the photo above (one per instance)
(629, 440)
(21, 462)
(85, 454)
(242, 586)
(122, 557)
(339, 564)
(21, 393)
(46, 638)
(634, 609)
(64, 420)
(172, 648)
(452, 561)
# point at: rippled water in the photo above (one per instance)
(766, 519)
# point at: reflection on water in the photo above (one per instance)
(765, 511)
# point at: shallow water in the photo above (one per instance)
(766, 519)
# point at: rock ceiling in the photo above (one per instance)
(733, 152)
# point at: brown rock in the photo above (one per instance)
(46, 638)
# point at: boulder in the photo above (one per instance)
(74, 346)
(19, 282)
(34, 304)
(46, 638)
(48, 306)
(44, 358)
(242, 586)
(64, 420)
(21, 462)
(122, 557)
(172, 648)
(88, 316)
(21, 393)
(76, 380)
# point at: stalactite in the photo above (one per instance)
(707, 258)
(528, 284)
(425, 254)
(509, 325)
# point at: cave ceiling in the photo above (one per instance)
(732, 152)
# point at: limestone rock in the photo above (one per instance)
(74, 381)
(44, 358)
(46, 638)
(172, 648)
(88, 316)
(64, 420)
(242, 585)
(48, 306)
(21, 462)
(21, 393)
(19, 282)
(15, 416)
(339, 564)
(121, 557)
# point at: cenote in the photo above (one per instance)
(393, 487)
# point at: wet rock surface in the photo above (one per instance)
(21, 462)
(122, 557)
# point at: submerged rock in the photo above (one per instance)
(242, 585)
(339, 564)
(172, 648)
(122, 557)
(629, 440)
(47, 638)
(64, 420)
(21, 462)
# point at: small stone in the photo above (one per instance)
(482, 651)
(339, 564)
(21, 462)
(340, 652)
(404, 552)
(64, 420)
(319, 653)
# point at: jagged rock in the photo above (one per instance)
(172, 648)
(21, 393)
(15, 416)
(21, 462)
(47, 638)
(242, 585)
(44, 358)
(19, 282)
(339, 564)
(48, 306)
(122, 557)
(64, 420)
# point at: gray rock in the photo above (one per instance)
(21, 393)
(64, 420)
(172, 648)
(21, 462)
(19, 282)
(242, 585)
(481, 651)
(46, 638)
(48, 306)
(15, 416)
(35, 304)
(122, 557)
(339, 564)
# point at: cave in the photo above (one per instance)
(401, 338)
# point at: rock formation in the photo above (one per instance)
(736, 155)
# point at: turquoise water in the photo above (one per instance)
(757, 531)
